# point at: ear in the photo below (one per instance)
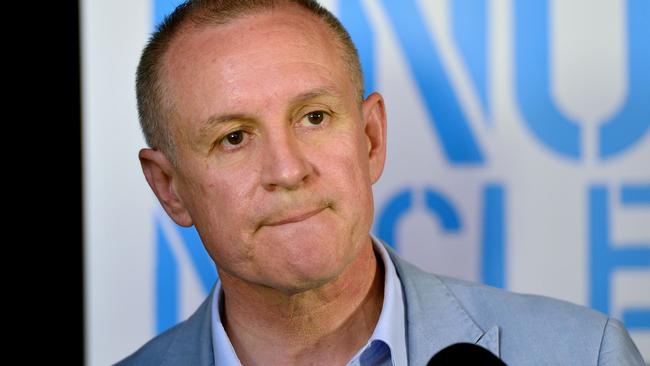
(160, 174)
(374, 121)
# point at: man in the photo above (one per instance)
(262, 140)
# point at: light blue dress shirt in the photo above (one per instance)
(385, 347)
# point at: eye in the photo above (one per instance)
(315, 118)
(233, 140)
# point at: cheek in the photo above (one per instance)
(355, 157)
(224, 225)
(220, 205)
(348, 165)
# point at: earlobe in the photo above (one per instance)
(159, 173)
(374, 116)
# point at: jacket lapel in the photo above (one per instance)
(490, 340)
(435, 318)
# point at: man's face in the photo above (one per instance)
(275, 153)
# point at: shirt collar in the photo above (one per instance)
(390, 328)
(224, 353)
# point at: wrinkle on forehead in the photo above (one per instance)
(211, 69)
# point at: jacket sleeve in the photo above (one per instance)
(617, 348)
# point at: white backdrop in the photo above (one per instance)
(544, 188)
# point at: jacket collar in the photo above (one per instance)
(435, 318)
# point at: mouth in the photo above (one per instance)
(297, 217)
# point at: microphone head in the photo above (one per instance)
(465, 354)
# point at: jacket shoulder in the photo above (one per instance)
(525, 310)
(189, 342)
(153, 352)
(489, 305)
(559, 329)
(532, 329)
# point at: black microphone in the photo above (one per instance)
(465, 354)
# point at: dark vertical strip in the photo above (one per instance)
(493, 254)
(75, 115)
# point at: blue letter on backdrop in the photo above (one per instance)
(606, 258)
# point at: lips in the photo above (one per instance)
(296, 217)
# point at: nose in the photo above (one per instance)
(284, 162)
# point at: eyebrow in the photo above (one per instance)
(320, 92)
(300, 98)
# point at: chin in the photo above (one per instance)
(313, 272)
(310, 268)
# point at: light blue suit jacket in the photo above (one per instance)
(440, 311)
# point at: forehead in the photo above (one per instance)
(252, 62)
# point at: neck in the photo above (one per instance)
(324, 325)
